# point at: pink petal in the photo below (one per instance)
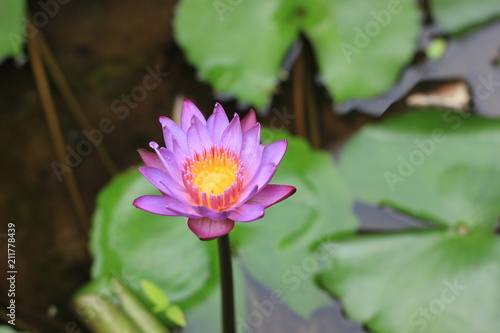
(212, 214)
(173, 168)
(248, 121)
(156, 204)
(232, 136)
(245, 195)
(251, 151)
(151, 159)
(168, 162)
(248, 212)
(181, 208)
(272, 156)
(198, 137)
(171, 132)
(179, 154)
(272, 194)
(207, 229)
(162, 181)
(262, 177)
(189, 110)
(274, 152)
(217, 123)
(156, 177)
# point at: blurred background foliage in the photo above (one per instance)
(402, 231)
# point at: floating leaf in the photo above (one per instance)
(239, 46)
(442, 167)
(431, 164)
(361, 46)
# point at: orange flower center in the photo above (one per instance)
(213, 177)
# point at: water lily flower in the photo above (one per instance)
(214, 172)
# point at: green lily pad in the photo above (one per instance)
(361, 46)
(12, 14)
(458, 16)
(276, 250)
(239, 46)
(441, 167)
(432, 281)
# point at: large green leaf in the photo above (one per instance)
(457, 16)
(361, 46)
(12, 14)
(442, 167)
(433, 281)
(276, 250)
(238, 46)
(434, 165)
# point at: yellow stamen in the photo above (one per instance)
(213, 171)
(213, 179)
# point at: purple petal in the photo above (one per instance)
(165, 183)
(217, 123)
(245, 195)
(272, 194)
(274, 152)
(156, 177)
(232, 136)
(248, 121)
(151, 159)
(248, 212)
(169, 164)
(173, 168)
(198, 137)
(179, 154)
(262, 177)
(212, 214)
(207, 229)
(181, 208)
(251, 151)
(156, 204)
(272, 156)
(189, 110)
(171, 132)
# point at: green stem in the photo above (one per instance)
(226, 281)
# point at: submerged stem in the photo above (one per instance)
(48, 107)
(226, 280)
